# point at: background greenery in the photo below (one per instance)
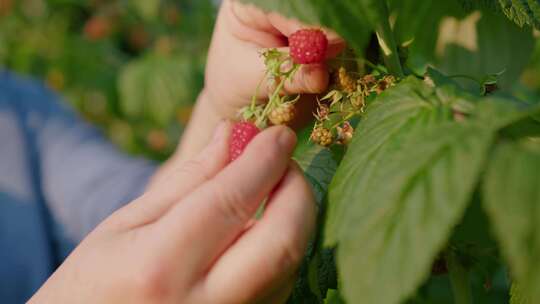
(132, 67)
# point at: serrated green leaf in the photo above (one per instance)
(403, 185)
(499, 46)
(522, 12)
(460, 42)
(512, 199)
(386, 118)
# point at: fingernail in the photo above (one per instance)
(287, 139)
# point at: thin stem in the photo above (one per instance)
(343, 120)
(374, 66)
(459, 278)
(270, 105)
(257, 90)
(366, 61)
(387, 42)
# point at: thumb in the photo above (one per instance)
(310, 78)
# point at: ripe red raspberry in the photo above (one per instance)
(242, 134)
(308, 46)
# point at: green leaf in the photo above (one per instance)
(494, 45)
(522, 12)
(352, 19)
(304, 10)
(317, 162)
(439, 79)
(317, 272)
(501, 113)
(512, 200)
(402, 186)
(467, 43)
(410, 15)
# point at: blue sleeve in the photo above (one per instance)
(83, 177)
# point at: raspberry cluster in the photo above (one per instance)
(344, 102)
(307, 46)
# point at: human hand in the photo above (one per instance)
(235, 67)
(192, 237)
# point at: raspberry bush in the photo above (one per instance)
(425, 151)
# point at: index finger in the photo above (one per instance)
(273, 248)
(220, 208)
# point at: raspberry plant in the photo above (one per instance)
(424, 161)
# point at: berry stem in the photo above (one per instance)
(271, 101)
(387, 42)
(374, 66)
(257, 90)
(366, 61)
(346, 118)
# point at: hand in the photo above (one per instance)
(192, 237)
(235, 67)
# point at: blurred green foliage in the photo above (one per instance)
(133, 67)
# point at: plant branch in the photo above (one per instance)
(387, 42)
(459, 278)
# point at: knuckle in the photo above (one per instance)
(231, 203)
(193, 167)
(290, 252)
(267, 154)
(151, 284)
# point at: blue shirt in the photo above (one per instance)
(58, 179)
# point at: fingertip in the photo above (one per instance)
(313, 78)
(284, 25)
(335, 48)
(287, 139)
(281, 138)
(295, 186)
